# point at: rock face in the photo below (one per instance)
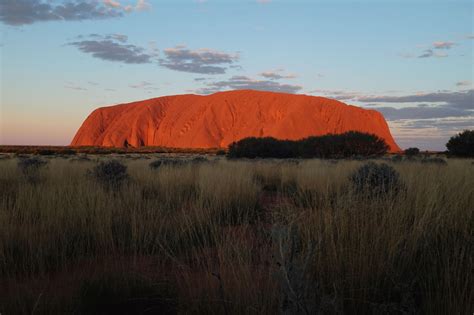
(212, 121)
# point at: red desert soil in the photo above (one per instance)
(212, 121)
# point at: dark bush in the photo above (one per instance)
(412, 152)
(126, 294)
(349, 144)
(67, 152)
(263, 148)
(220, 152)
(462, 144)
(199, 160)
(376, 179)
(45, 152)
(155, 165)
(111, 174)
(30, 167)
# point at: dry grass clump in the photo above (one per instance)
(237, 237)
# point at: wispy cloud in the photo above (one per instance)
(74, 86)
(411, 106)
(431, 133)
(22, 12)
(114, 47)
(443, 45)
(431, 53)
(277, 75)
(431, 50)
(454, 99)
(464, 83)
(204, 61)
(245, 83)
(144, 85)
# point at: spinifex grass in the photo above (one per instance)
(236, 237)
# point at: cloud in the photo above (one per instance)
(429, 105)
(464, 83)
(428, 133)
(23, 12)
(275, 75)
(142, 5)
(246, 83)
(430, 53)
(443, 45)
(204, 61)
(458, 99)
(144, 85)
(114, 48)
(340, 95)
(112, 3)
(425, 112)
(73, 86)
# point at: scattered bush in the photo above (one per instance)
(30, 168)
(220, 152)
(462, 144)
(349, 144)
(376, 179)
(410, 152)
(111, 174)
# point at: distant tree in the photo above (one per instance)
(462, 144)
(344, 145)
(412, 152)
(262, 147)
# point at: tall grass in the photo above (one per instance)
(238, 237)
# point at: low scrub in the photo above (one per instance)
(111, 174)
(349, 144)
(374, 179)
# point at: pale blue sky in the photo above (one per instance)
(411, 59)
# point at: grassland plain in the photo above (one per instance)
(235, 237)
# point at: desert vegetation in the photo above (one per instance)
(148, 234)
(462, 144)
(348, 144)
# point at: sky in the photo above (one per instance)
(412, 60)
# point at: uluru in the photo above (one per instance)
(216, 120)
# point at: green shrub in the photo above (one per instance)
(375, 179)
(111, 174)
(462, 144)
